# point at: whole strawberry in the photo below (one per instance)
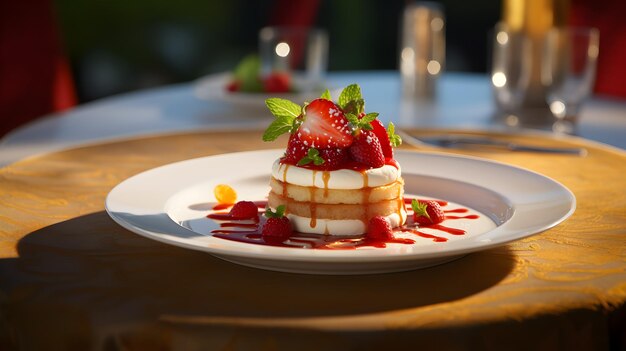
(296, 150)
(277, 82)
(333, 158)
(427, 212)
(277, 228)
(324, 159)
(244, 210)
(366, 149)
(379, 229)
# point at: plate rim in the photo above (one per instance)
(338, 258)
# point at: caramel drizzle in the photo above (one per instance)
(285, 179)
(312, 207)
(366, 198)
(326, 178)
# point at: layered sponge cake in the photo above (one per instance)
(339, 202)
(338, 170)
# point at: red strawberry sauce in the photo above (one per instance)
(249, 231)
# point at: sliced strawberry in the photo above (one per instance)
(324, 126)
(383, 137)
(366, 149)
(277, 82)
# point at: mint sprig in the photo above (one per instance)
(394, 138)
(280, 212)
(420, 208)
(285, 114)
(363, 122)
(313, 155)
(351, 100)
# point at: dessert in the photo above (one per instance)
(247, 78)
(336, 187)
(338, 172)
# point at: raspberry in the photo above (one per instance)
(244, 210)
(427, 212)
(379, 229)
(277, 228)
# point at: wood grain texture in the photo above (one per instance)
(69, 276)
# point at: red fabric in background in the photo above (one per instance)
(609, 16)
(292, 13)
(35, 78)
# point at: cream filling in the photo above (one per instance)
(340, 227)
(339, 179)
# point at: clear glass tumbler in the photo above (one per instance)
(302, 53)
(568, 71)
(511, 68)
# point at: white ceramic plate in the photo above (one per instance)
(170, 204)
(213, 88)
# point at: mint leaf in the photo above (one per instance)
(355, 106)
(283, 108)
(286, 113)
(350, 93)
(363, 122)
(419, 208)
(279, 126)
(326, 95)
(280, 212)
(394, 138)
(352, 118)
(312, 156)
(368, 118)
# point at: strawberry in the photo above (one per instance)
(379, 229)
(427, 212)
(366, 149)
(296, 150)
(333, 158)
(277, 228)
(383, 137)
(277, 82)
(233, 86)
(244, 210)
(324, 126)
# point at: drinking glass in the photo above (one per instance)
(511, 65)
(423, 44)
(302, 53)
(568, 71)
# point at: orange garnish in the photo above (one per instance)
(224, 194)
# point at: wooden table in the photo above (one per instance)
(72, 279)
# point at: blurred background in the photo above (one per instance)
(55, 54)
(118, 46)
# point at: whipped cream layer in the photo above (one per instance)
(338, 179)
(340, 227)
